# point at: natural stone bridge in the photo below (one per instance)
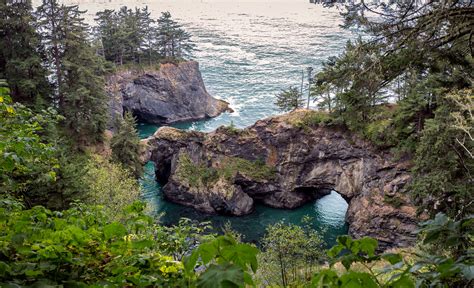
(284, 162)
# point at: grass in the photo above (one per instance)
(256, 170)
(197, 175)
(306, 119)
(172, 134)
(200, 175)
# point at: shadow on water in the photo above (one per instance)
(328, 212)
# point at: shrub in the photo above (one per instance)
(110, 185)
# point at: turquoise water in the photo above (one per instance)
(328, 213)
(248, 51)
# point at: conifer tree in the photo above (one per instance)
(290, 99)
(126, 145)
(77, 71)
(20, 60)
(173, 40)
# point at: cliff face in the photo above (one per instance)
(284, 162)
(174, 93)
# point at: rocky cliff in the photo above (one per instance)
(173, 93)
(284, 162)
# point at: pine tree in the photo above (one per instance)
(126, 145)
(78, 72)
(173, 40)
(290, 99)
(49, 16)
(20, 60)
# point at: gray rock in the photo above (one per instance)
(174, 93)
(308, 160)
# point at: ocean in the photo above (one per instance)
(248, 51)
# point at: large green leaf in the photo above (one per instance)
(225, 276)
(114, 230)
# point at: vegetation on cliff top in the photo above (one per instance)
(202, 175)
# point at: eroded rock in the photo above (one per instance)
(174, 93)
(284, 162)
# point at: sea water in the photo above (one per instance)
(248, 51)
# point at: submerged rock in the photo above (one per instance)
(284, 162)
(174, 93)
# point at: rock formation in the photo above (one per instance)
(286, 161)
(174, 93)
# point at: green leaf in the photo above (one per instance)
(403, 282)
(207, 251)
(368, 245)
(392, 258)
(217, 276)
(114, 230)
(142, 244)
(242, 255)
(190, 261)
(325, 277)
(357, 280)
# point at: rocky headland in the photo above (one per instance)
(173, 93)
(284, 162)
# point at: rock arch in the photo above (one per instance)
(284, 162)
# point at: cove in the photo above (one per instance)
(328, 212)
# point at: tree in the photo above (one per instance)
(28, 161)
(443, 162)
(110, 185)
(291, 250)
(173, 40)
(20, 58)
(78, 72)
(290, 99)
(126, 145)
(419, 53)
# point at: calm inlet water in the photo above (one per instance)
(248, 50)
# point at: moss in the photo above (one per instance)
(200, 175)
(396, 202)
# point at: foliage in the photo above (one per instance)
(291, 252)
(77, 73)
(173, 40)
(26, 160)
(126, 146)
(110, 185)
(290, 99)
(197, 175)
(202, 175)
(132, 36)
(454, 269)
(81, 247)
(231, 129)
(419, 55)
(443, 163)
(181, 239)
(20, 59)
(228, 263)
(310, 119)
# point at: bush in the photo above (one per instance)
(111, 186)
